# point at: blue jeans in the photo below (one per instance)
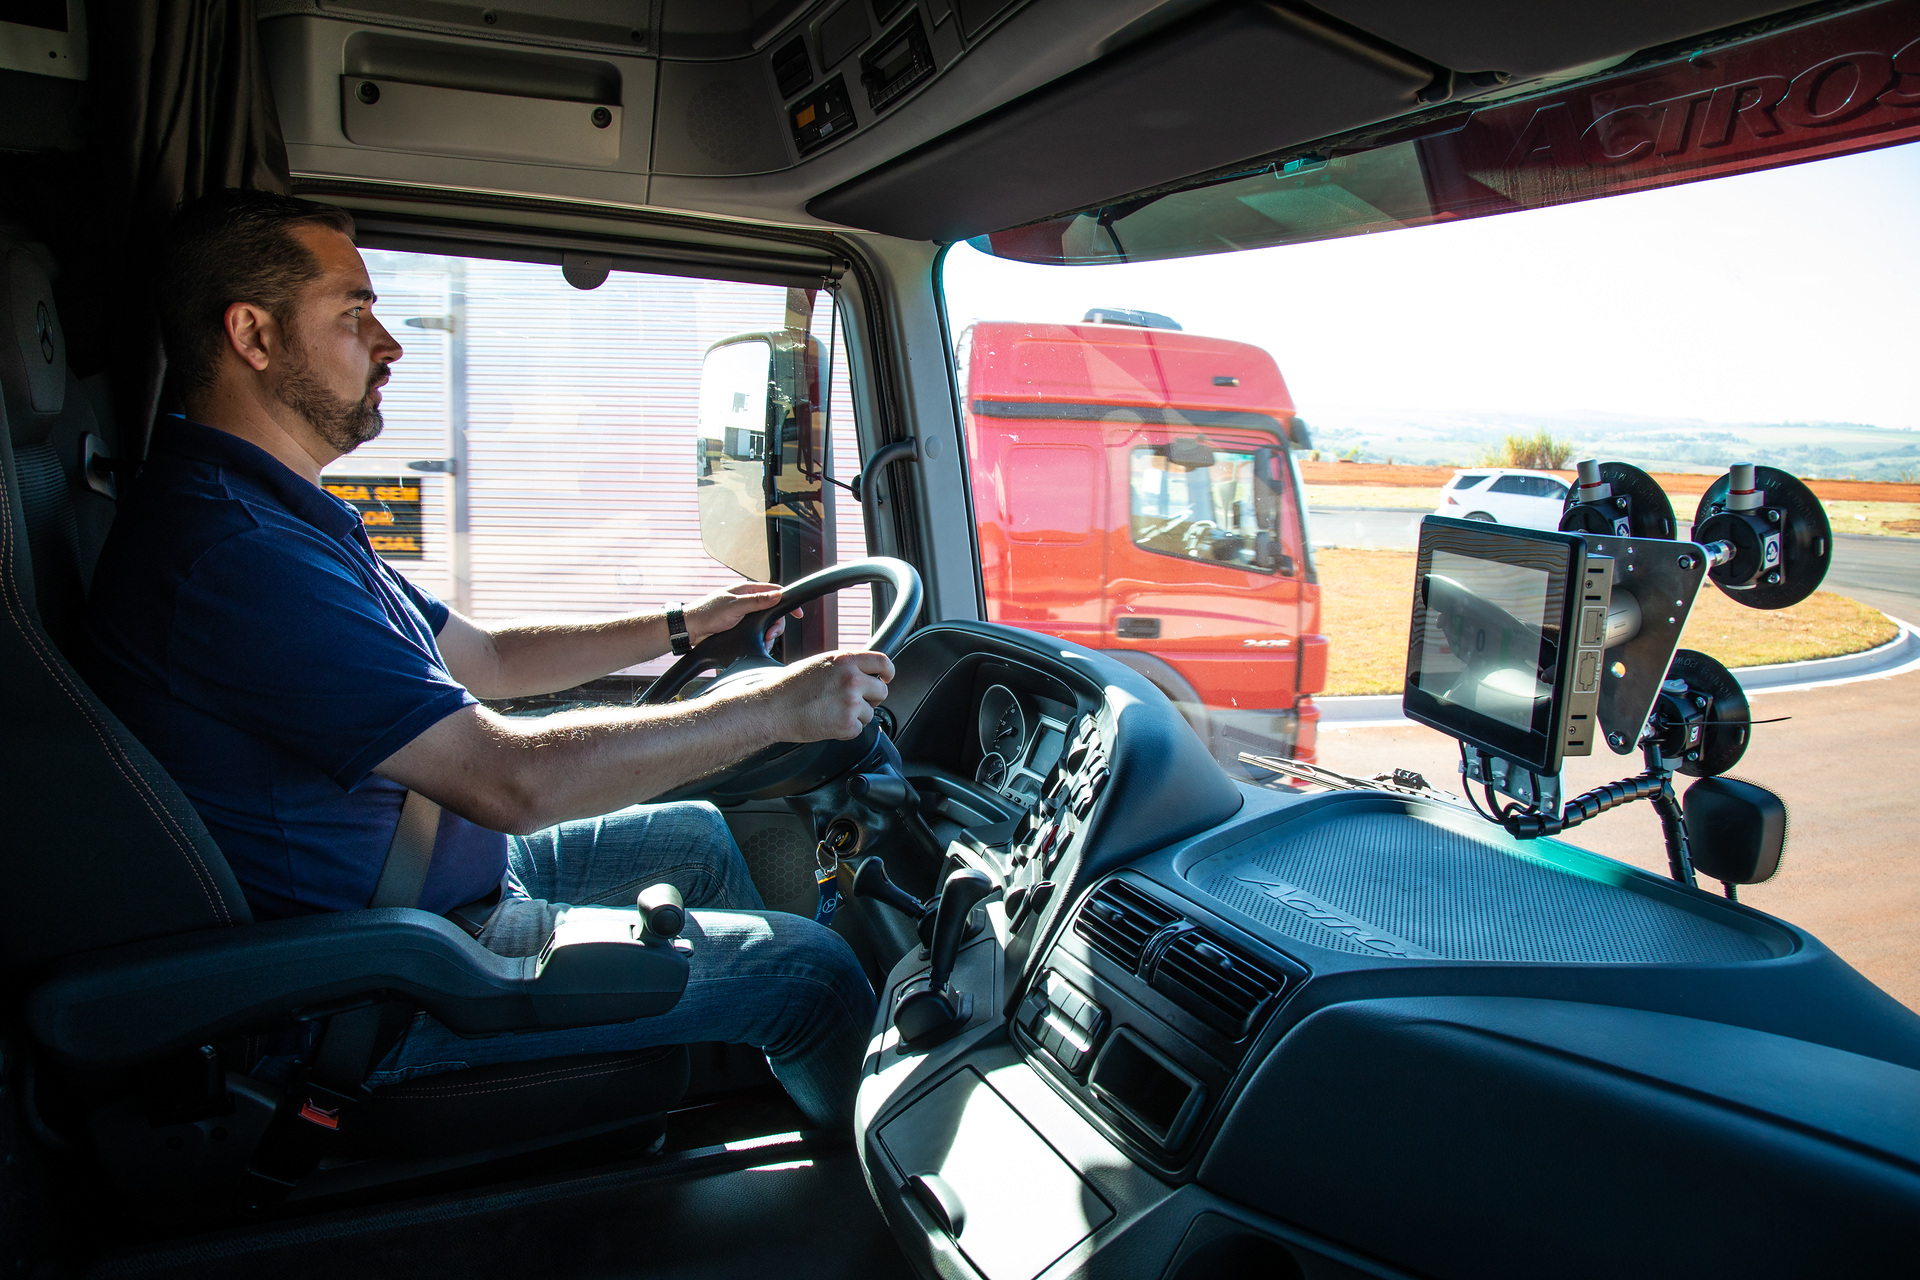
(777, 981)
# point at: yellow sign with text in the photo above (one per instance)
(389, 508)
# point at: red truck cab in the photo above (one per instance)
(1134, 493)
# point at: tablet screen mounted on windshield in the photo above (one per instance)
(1488, 650)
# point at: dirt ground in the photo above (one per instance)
(1851, 875)
(1677, 484)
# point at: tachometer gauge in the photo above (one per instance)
(992, 771)
(1003, 723)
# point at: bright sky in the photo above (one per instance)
(1789, 295)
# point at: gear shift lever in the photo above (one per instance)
(930, 1013)
(871, 881)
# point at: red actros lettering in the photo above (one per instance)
(1755, 110)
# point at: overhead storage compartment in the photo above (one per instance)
(1527, 38)
(1239, 81)
(370, 102)
(496, 126)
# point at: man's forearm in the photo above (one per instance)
(542, 655)
(519, 775)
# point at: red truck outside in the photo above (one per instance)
(1134, 493)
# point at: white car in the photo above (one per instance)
(1530, 499)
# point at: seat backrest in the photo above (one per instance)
(98, 846)
(51, 416)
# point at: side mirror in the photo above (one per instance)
(760, 466)
(1736, 831)
(758, 454)
(1269, 475)
(1297, 435)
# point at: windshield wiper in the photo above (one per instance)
(1400, 781)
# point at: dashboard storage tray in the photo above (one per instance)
(1022, 1205)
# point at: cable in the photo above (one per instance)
(1466, 785)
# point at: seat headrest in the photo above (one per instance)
(33, 351)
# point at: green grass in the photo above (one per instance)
(1367, 603)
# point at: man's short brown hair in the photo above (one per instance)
(226, 247)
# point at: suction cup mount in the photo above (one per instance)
(1701, 718)
(1766, 536)
(1617, 500)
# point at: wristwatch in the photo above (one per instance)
(677, 627)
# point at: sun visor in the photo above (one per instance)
(1246, 80)
(1742, 101)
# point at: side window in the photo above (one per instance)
(539, 451)
(1209, 513)
(1469, 482)
(1510, 484)
(1552, 489)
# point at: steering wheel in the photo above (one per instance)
(742, 658)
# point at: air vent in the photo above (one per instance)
(791, 68)
(1118, 920)
(1216, 986)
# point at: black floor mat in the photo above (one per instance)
(804, 1216)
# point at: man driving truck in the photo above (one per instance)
(317, 707)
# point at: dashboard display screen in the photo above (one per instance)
(1486, 658)
(1486, 653)
(1046, 749)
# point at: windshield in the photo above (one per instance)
(1214, 469)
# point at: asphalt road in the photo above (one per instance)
(1882, 572)
(1843, 763)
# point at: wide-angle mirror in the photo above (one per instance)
(757, 463)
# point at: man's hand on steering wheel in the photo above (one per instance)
(723, 610)
(828, 696)
(820, 709)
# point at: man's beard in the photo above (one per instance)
(344, 424)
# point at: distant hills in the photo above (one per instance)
(1832, 450)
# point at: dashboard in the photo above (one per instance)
(1219, 1029)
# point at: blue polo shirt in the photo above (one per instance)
(244, 630)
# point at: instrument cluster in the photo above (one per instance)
(1021, 738)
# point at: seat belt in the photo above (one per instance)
(349, 1040)
(410, 854)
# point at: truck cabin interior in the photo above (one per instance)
(1181, 1045)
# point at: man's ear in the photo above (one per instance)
(253, 334)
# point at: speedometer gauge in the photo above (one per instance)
(1003, 723)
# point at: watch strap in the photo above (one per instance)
(677, 633)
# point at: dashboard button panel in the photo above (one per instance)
(1064, 1021)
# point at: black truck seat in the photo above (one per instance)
(55, 432)
(142, 972)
